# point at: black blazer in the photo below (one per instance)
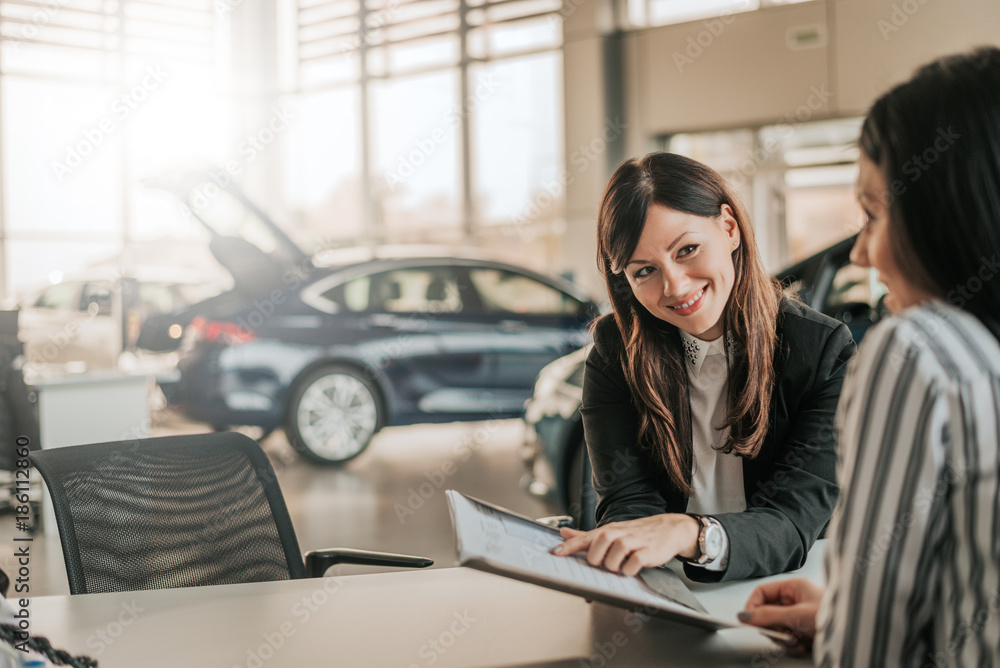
(790, 486)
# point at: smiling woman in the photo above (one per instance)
(719, 390)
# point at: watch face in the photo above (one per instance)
(713, 541)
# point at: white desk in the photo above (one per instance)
(89, 408)
(408, 619)
(92, 408)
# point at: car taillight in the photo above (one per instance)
(220, 331)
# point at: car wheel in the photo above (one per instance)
(333, 415)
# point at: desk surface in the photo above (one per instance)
(408, 619)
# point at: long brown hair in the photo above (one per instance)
(652, 357)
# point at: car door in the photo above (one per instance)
(530, 323)
(99, 336)
(406, 321)
(69, 322)
(439, 353)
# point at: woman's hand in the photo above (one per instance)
(634, 544)
(787, 605)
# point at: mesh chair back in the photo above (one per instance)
(177, 511)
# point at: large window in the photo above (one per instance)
(797, 181)
(416, 155)
(97, 95)
(399, 121)
(648, 13)
(448, 117)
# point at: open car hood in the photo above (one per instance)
(244, 239)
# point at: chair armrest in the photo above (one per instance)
(317, 561)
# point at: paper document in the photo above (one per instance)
(495, 540)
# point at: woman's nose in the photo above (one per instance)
(859, 251)
(675, 282)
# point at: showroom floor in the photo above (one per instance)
(390, 498)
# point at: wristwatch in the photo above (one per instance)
(709, 540)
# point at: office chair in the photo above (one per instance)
(585, 517)
(179, 511)
(583, 510)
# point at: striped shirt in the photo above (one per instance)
(913, 564)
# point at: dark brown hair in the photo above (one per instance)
(652, 357)
(937, 139)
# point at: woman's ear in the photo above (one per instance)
(727, 220)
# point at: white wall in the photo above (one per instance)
(743, 71)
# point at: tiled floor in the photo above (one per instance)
(390, 498)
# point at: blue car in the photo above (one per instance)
(334, 353)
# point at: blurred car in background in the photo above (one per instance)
(91, 320)
(335, 353)
(554, 447)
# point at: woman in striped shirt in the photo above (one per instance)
(913, 561)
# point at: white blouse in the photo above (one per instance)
(717, 478)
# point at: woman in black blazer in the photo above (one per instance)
(709, 397)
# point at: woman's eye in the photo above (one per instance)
(687, 250)
(643, 272)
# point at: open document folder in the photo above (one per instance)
(498, 541)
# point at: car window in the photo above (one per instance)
(504, 291)
(100, 295)
(61, 296)
(417, 290)
(356, 292)
(352, 295)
